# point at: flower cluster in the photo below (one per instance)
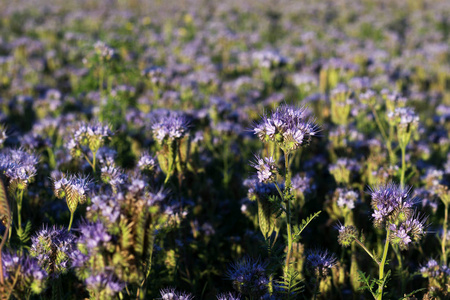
(170, 127)
(390, 202)
(172, 294)
(248, 277)
(19, 166)
(28, 273)
(89, 135)
(73, 187)
(346, 198)
(347, 234)
(103, 51)
(411, 230)
(320, 262)
(267, 169)
(104, 285)
(288, 126)
(52, 248)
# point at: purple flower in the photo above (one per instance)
(170, 127)
(52, 248)
(228, 296)
(320, 262)
(94, 235)
(19, 166)
(172, 294)
(346, 198)
(288, 126)
(249, 277)
(104, 285)
(390, 202)
(266, 167)
(33, 277)
(73, 187)
(146, 162)
(105, 206)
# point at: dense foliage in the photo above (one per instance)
(212, 149)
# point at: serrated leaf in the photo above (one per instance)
(4, 206)
(305, 222)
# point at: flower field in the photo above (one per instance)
(205, 149)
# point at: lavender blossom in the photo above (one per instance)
(248, 277)
(104, 285)
(320, 262)
(73, 187)
(390, 202)
(19, 166)
(289, 126)
(267, 169)
(172, 294)
(52, 248)
(346, 198)
(32, 277)
(170, 127)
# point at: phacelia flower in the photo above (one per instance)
(347, 234)
(267, 169)
(228, 296)
(171, 126)
(107, 207)
(391, 203)
(410, 230)
(172, 294)
(104, 285)
(146, 162)
(319, 262)
(19, 166)
(114, 176)
(32, 276)
(89, 135)
(73, 187)
(52, 247)
(290, 127)
(346, 198)
(248, 277)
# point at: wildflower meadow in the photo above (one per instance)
(224, 150)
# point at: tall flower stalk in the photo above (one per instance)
(289, 128)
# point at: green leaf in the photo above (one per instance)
(305, 222)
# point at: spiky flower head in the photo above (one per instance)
(113, 176)
(391, 204)
(104, 285)
(410, 230)
(266, 169)
(320, 262)
(52, 247)
(73, 187)
(89, 135)
(228, 296)
(30, 276)
(146, 162)
(288, 126)
(248, 277)
(170, 127)
(19, 166)
(347, 234)
(172, 294)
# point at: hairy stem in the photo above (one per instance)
(368, 252)
(70, 222)
(444, 235)
(402, 175)
(381, 266)
(287, 190)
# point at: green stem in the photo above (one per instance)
(402, 175)
(380, 126)
(94, 154)
(287, 190)
(71, 220)
(381, 266)
(400, 267)
(367, 250)
(19, 199)
(444, 236)
(316, 285)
